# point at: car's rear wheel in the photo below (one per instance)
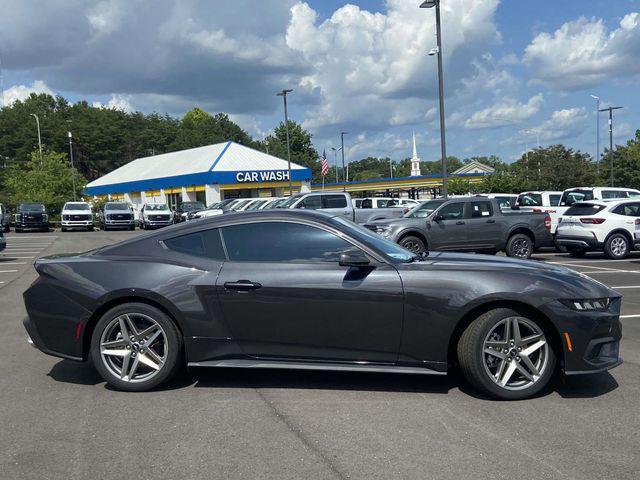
(413, 244)
(506, 355)
(617, 246)
(136, 347)
(520, 246)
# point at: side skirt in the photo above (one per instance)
(315, 366)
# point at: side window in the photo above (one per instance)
(312, 202)
(206, 243)
(480, 209)
(452, 211)
(554, 200)
(334, 201)
(386, 203)
(283, 242)
(614, 194)
(366, 203)
(630, 209)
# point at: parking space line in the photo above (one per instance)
(627, 286)
(12, 256)
(8, 271)
(585, 266)
(12, 263)
(630, 316)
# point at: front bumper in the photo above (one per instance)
(590, 340)
(76, 223)
(157, 223)
(119, 223)
(636, 240)
(582, 241)
(32, 225)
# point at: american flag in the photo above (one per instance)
(325, 165)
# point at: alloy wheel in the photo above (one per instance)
(133, 347)
(516, 353)
(618, 246)
(520, 248)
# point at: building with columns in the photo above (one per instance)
(207, 174)
(415, 160)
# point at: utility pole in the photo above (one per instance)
(344, 177)
(73, 170)
(39, 137)
(610, 110)
(597, 99)
(283, 94)
(335, 160)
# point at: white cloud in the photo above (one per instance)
(563, 124)
(506, 112)
(22, 92)
(582, 53)
(117, 102)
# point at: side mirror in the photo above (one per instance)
(438, 218)
(353, 259)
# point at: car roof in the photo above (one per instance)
(615, 189)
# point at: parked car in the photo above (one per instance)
(539, 201)
(505, 200)
(5, 218)
(258, 204)
(271, 203)
(585, 194)
(183, 209)
(117, 215)
(155, 215)
(3, 241)
(299, 289)
(407, 202)
(31, 216)
(76, 215)
(378, 202)
(474, 224)
(339, 203)
(612, 227)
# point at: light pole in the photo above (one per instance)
(610, 110)
(335, 159)
(597, 99)
(73, 170)
(443, 147)
(39, 138)
(283, 94)
(344, 177)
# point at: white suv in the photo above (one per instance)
(596, 225)
(76, 215)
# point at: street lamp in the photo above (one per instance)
(610, 110)
(344, 177)
(283, 94)
(438, 51)
(597, 99)
(335, 159)
(73, 170)
(39, 138)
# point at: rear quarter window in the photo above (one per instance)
(206, 243)
(334, 201)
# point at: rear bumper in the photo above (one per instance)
(35, 340)
(583, 241)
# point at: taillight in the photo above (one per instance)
(560, 220)
(405, 210)
(547, 222)
(637, 221)
(596, 221)
(537, 210)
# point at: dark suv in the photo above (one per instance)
(31, 216)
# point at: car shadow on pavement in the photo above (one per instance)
(68, 371)
(321, 380)
(586, 386)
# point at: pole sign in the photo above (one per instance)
(267, 176)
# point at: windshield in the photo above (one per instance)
(257, 205)
(424, 209)
(389, 248)
(530, 200)
(31, 207)
(76, 206)
(117, 206)
(156, 206)
(286, 203)
(573, 196)
(188, 206)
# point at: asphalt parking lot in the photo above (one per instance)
(61, 422)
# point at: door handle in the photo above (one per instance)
(242, 285)
(459, 222)
(491, 221)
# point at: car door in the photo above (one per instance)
(283, 294)
(483, 231)
(447, 227)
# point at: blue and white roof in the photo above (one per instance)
(223, 163)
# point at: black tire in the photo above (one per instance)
(90, 228)
(7, 228)
(519, 246)
(577, 252)
(174, 355)
(617, 246)
(132, 227)
(142, 227)
(471, 356)
(413, 244)
(18, 230)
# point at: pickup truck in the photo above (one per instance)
(339, 203)
(5, 218)
(475, 224)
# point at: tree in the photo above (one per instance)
(49, 182)
(458, 186)
(626, 165)
(502, 182)
(302, 150)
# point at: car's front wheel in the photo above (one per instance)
(136, 347)
(506, 355)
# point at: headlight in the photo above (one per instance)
(589, 304)
(45, 217)
(383, 230)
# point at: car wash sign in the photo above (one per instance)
(263, 176)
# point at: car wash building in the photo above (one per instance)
(207, 174)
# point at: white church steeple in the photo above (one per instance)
(415, 160)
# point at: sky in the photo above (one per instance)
(516, 72)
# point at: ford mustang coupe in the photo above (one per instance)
(306, 290)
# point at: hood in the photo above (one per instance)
(397, 221)
(565, 282)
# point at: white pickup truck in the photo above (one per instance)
(340, 203)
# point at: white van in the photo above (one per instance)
(583, 194)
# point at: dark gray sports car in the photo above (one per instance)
(301, 289)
